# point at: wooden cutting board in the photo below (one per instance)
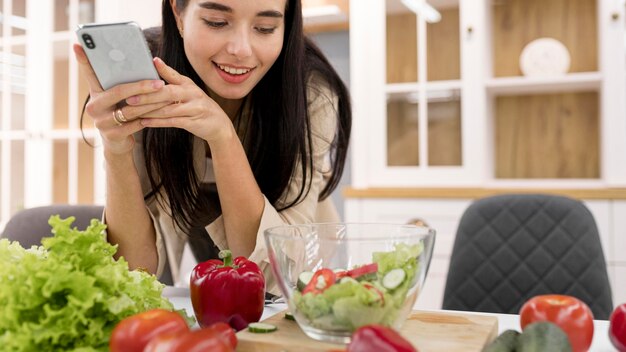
(428, 331)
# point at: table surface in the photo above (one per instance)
(180, 299)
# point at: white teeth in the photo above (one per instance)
(234, 71)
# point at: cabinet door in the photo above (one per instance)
(411, 120)
(45, 155)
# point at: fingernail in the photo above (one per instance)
(157, 84)
(133, 100)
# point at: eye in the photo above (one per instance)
(266, 30)
(215, 24)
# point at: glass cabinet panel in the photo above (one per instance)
(60, 171)
(61, 18)
(17, 175)
(86, 178)
(443, 42)
(443, 134)
(402, 130)
(443, 56)
(19, 23)
(61, 84)
(1, 9)
(18, 87)
(62, 10)
(401, 43)
(444, 128)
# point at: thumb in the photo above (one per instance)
(86, 69)
(167, 73)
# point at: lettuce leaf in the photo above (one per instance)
(69, 293)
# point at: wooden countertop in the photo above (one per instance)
(471, 193)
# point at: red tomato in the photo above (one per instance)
(617, 329)
(321, 280)
(133, 333)
(373, 288)
(363, 270)
(219, 337)
(572, 315)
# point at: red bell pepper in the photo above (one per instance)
(231, 291)
(219, 337)
(617, 328)
(378, 338)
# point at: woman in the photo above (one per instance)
(250, 131)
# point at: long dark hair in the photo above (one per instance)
(280, 127)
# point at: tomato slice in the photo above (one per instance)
(374, 289)
(133, 333)
(572, 315)
(363, 270)
(321, 280)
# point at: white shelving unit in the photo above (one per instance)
(43, 157)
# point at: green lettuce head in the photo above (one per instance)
(69, 293)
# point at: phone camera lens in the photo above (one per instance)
(88, 41)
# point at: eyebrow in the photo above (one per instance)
(220, 7)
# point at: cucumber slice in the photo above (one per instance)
(367, 277)
(347, 279)
(289, 316)
(261, 328)
(394, 278)
(303, 279)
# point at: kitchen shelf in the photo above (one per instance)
(571, 82)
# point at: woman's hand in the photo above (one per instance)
(117, 137)
(190, 108)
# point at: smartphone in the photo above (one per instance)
(118, 52)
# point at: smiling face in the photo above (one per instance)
(232, 44)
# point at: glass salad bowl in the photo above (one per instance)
(337, 277)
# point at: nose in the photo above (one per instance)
(239, 44)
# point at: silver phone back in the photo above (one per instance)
(120, 53)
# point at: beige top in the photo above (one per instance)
(170, 240)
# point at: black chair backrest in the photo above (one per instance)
(509, 248)
(29, 226)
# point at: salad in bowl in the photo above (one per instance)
(339, 277)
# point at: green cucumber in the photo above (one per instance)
(289, 316)
(367, 277)
(394, 278)
(506, 342)
(261, 328)
(303, 279)
(543, 336)
(347, 279)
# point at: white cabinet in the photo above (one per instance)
(446, 103)
(43, 158)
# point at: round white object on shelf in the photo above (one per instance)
(544, 57)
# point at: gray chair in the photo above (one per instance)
(29, 226)
(509, 248)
